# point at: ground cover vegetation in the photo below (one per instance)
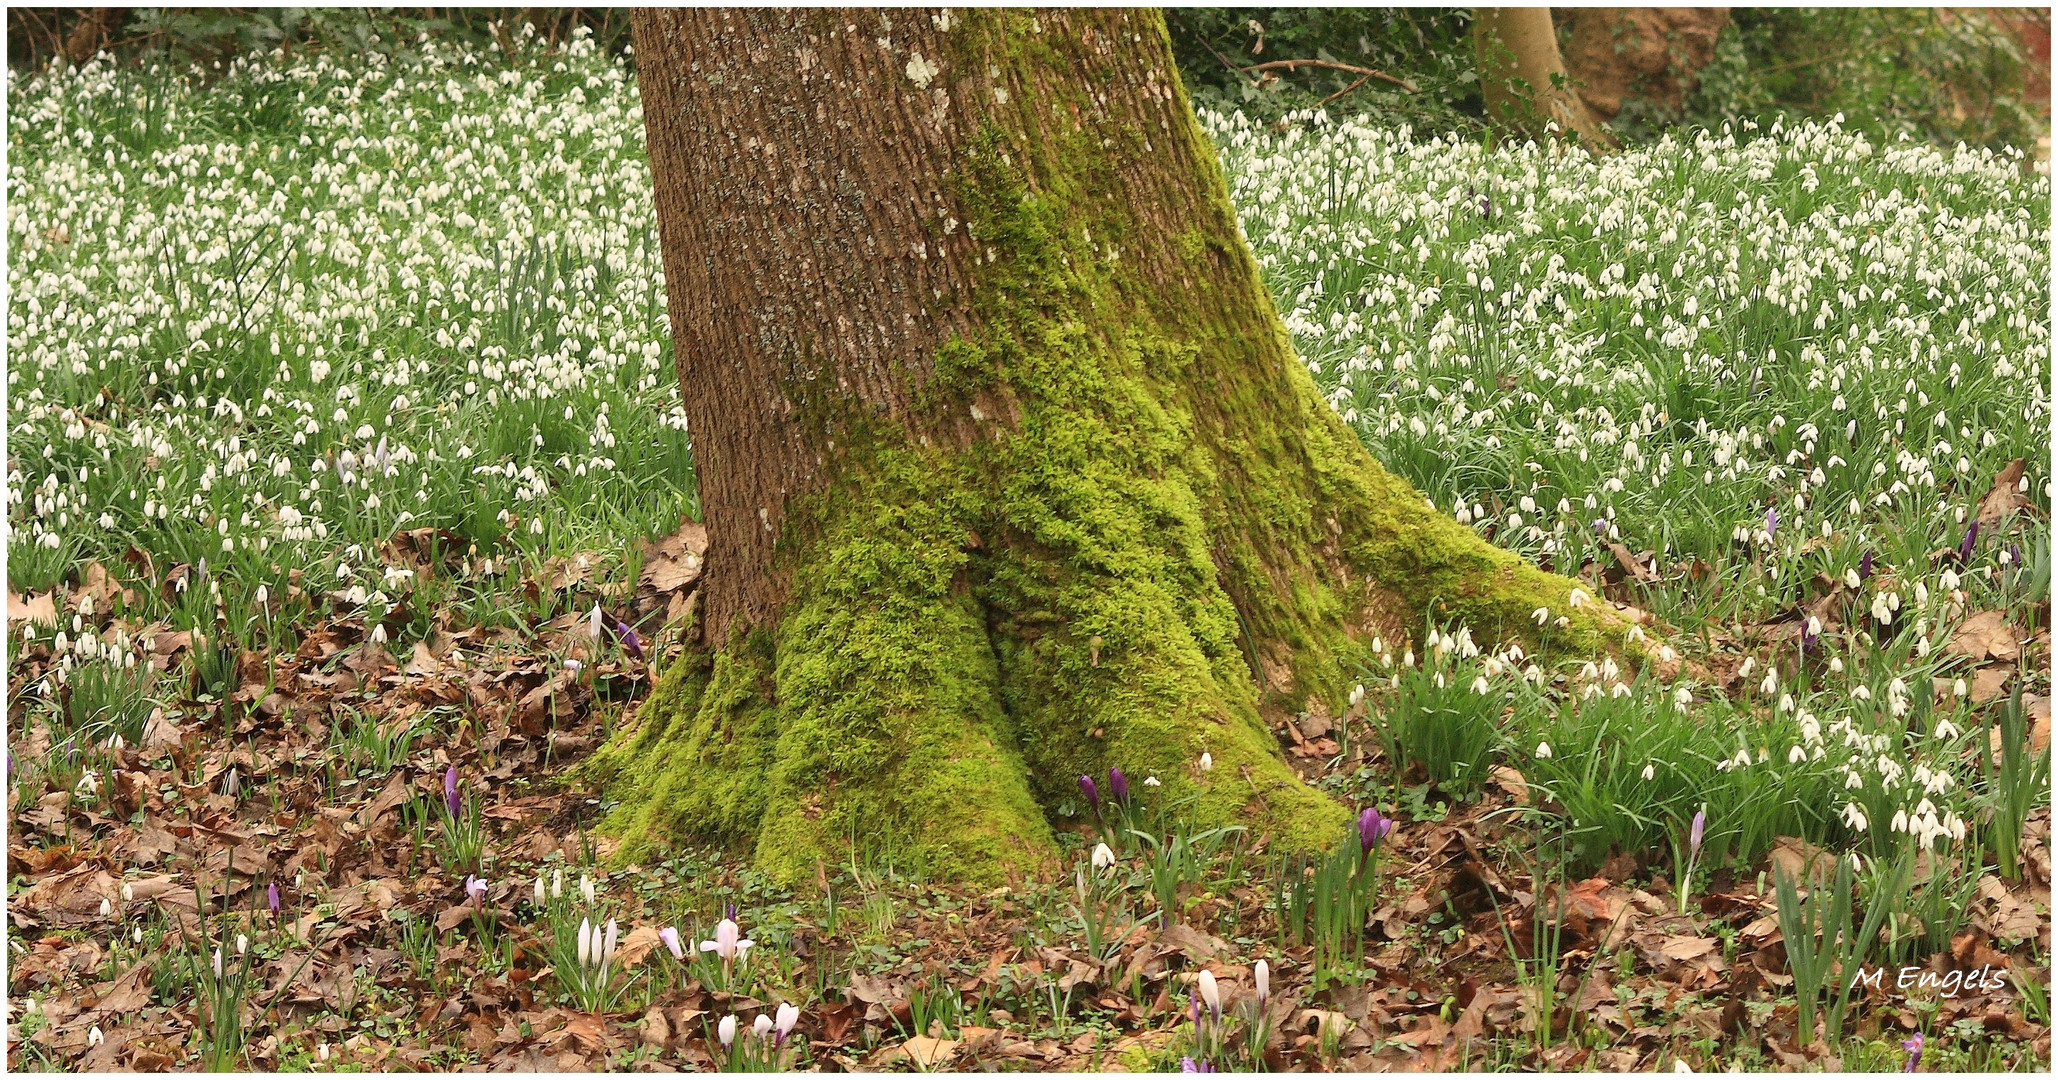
(348, 510)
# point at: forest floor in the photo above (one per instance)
(327, 425)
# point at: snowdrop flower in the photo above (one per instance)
(106, 907)
(1578, 598)
(242, 944)
(93, 1036)
(1855, 817)
(1682, 697)
(1541, 615)
(1543, 750)
(1207, 762)
(1650, 772)
(1151, 781)
(1103, 856)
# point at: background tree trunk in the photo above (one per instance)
(1653, 55)
(1523, 78)
(1009, 470)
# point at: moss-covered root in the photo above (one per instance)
(868, 724)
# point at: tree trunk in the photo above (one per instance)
(1647, 55)
(1523, 78)
(1009, 470)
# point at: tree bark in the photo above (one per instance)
(1009, 470)
(1651, 55)
(1523, 78)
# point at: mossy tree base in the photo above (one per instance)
(1091, 513)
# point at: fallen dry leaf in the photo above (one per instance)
(1987, 634)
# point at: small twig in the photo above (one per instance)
(1290, 65)
(1362, 80)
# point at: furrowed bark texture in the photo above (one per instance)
(1009, 469)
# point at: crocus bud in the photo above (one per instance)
(1118, 786)
(242, 944)
(593, 623)
(557, 883)
(762, 1026)
(1091, 791)
(630, 640)
(670, 936)
(1771, 523)
(106, 907)
(1865, 566)
(1971, 538)
(586, 887)
(1373, 828)
(271, 898)
(1263, 975)
(217, 962)
(789, 1015)
(450, 790)
(539, 890)
(1207, 762)
(585, 943)
(128, 892)
(1693, 836)
(607, 949)
(726, 1030)
(1210, 993)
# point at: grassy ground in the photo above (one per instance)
(340, 396)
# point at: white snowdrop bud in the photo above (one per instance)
(1543, 750)
(1650, 772)
(106, 907)
(93, 1037)
(1207, 762)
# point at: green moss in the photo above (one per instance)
(971, 627)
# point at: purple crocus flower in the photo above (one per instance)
(450, 790)
(1187, 1064)
(1693, 833)
(1118, 786)
(1971, 538)
(1771, 522)
(630, 640)
(1092, 792)
(271, 897)
(1914, 1048)
(2015, 554)
(1373, 827)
